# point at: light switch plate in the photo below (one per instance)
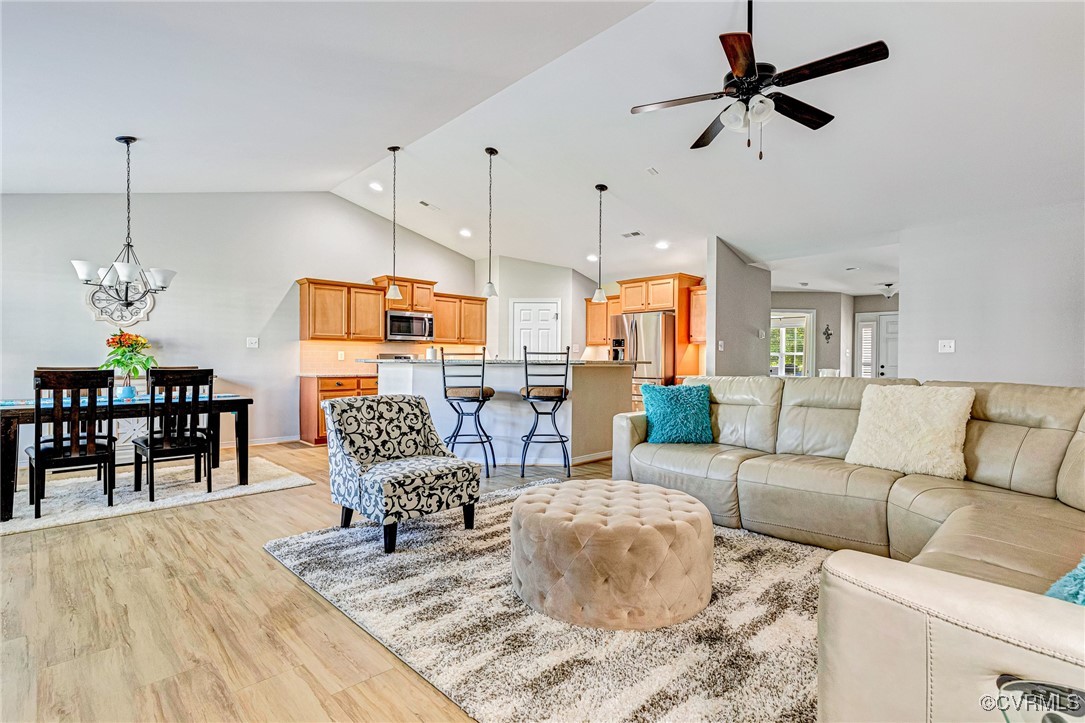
(341, 355)
(947, 346)
(252, 342)
(719, 346)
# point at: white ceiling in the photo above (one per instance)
(978, 108)
(871, 268)
(262, 96)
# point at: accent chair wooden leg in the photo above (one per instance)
(390, 537)
(469, 515)
(344, 518)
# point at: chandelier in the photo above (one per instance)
(122, 290)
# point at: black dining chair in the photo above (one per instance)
(177, 399)
(546, 382)
(73, 403)
(463, 376)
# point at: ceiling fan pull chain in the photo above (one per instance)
(748, 131)
(761, 143)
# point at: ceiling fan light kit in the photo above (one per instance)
(750, 83)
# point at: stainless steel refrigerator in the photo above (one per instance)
(648, 339)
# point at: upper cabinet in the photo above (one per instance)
(698, 314)
(597, 320)
(459, 319)
(655, 293)
(334, 310)
(417, 293)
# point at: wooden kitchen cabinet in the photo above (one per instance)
(315, 390)
(634, 296)
(446, 319)
(417, 294)
(661, 294)
(366, 313)
(459, 319)
(595, 325)
(698, 314)
(656, 293)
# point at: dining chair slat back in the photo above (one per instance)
(69, 422)
(178, 414)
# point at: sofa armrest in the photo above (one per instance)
(630, 429)
(901, 642)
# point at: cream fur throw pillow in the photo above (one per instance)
(914, 430)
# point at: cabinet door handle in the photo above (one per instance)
(339, 384)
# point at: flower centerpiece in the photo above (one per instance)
(127, 354)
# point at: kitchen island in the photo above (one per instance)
(598, 391)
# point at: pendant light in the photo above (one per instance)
(125, 282)
(490, 291)
(600, 296)
(393, 289)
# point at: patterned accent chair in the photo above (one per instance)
(386, 461)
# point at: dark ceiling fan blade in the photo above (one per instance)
(739, 50)
(798, 111)
(847, 60)
(680, 101)
(709, 134)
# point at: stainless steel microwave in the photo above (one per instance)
(409, 325)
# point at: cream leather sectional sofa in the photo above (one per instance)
(936, 590)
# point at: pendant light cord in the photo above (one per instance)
(490, 227)
(394, 217)
(599, 256)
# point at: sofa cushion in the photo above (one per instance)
(705, 471)
(1018, 435)
(818, 415)
(1016, 549)
(1070, 485)
(919, 504)
(913, 430)
(744, 410)
(816, 500)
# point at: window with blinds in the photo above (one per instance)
(868, 335)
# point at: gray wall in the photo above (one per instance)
(1009, 289)
(830, 308)
(876, 303)
(237, 256)
(739, 311)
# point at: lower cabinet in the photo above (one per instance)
(315, 390)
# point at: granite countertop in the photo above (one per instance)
(517, 362)
(344, 375)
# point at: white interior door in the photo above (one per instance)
(887, 345)
(534, 325)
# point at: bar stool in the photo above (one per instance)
(546, 381)
(463, 375)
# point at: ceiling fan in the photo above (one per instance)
(748, 81)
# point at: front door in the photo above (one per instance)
(887, 345)
(534, 325)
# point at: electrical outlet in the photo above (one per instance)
(576, 348)
(719, 346)
(947, 346)
(341, 355)
(760, 333)
(252, 342)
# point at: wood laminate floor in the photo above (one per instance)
(180, 615)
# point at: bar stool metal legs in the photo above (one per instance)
(536, 437)
(480, 436)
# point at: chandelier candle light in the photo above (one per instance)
(125, 283)
(600, 296)
(393, 289)
(490, 291)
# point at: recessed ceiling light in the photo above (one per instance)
(465, 232)
(593, 258)
(663, 244)
(852, 268)
(375, 185)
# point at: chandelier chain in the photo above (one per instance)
(128, 192)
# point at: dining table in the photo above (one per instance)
(17, 412)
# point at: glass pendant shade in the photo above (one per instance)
(489, 290)
(734, 118)
(85, 270)
(109, 276)
(127, 272)
(761, 109)
(393, 292)
(600, 297)
(160, 278)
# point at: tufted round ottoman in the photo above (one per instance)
(616, 555)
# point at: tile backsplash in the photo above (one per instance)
(322, 357)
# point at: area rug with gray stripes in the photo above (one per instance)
(444, 604)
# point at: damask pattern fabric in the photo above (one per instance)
(386, 460)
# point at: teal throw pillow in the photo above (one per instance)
(678, 415)
(1071, 586)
